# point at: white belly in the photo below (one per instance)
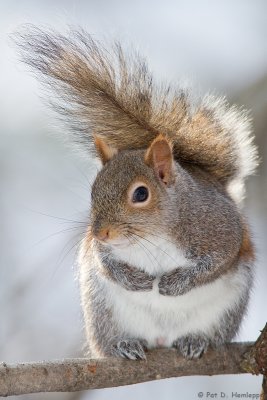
(162, 319)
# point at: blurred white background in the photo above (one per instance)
(45, 182)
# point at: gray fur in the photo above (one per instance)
(104, 339)
(200, 217)
(193, 346)
(103, 93)
(210, 229)
(128, 277)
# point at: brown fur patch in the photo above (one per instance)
(105, 151)
(246, 251)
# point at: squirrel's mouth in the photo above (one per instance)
(116, 244)
(121, 245)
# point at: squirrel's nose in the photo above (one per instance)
(102, 234)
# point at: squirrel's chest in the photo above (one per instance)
(154, 255)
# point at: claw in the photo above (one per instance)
(192, 346)
(131, 349)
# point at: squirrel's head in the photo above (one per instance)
(130, 193)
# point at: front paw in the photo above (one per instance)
(141, 281)
(175, 283)
(131, 349)
(192, 346)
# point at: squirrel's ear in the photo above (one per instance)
(159, 156)
(105, 151)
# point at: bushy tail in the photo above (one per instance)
(104, 91)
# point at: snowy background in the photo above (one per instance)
(44, 181)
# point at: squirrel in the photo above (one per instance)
(168, 259)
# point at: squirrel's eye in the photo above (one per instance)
(140, 194)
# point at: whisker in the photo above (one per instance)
(145, 248)
(158, 247)
(142, 247)
(58, 218)
(58, 233)
(161, 237)
(149, 233)
(61, 257)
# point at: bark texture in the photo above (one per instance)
(81, 374)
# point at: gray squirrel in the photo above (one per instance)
(167, 260)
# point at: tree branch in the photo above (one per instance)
(81, 374)
(264, 389)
